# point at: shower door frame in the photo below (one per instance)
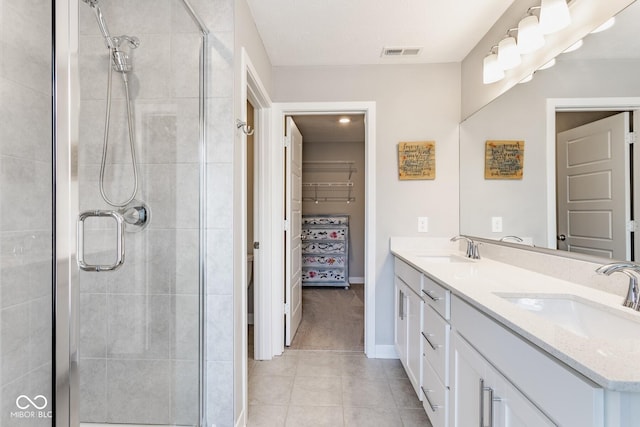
(66, 113)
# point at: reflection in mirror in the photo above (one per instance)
(595, 82)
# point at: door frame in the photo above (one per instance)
(280, 111)
(574, 104)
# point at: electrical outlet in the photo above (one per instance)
(423, 224)
(496, 224)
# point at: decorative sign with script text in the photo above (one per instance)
(504, 160)
(417, 160)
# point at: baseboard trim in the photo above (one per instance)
(386, 352)
(356, 280)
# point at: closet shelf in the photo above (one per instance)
(327, 184)
(329, 199)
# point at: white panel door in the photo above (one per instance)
(293, 234)
(594, 194)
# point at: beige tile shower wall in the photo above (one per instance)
(25, 205)
(139, 340)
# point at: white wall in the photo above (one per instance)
(413, 103)
(521, 114)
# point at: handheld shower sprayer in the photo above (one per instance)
(118, 61)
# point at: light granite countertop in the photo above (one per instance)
(613, 363)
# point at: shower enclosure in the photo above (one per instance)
(101, 213)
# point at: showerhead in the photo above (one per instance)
(101, 23)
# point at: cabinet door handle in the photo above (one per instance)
(492, 399)
(426, 337)
(433, 407)
(429, 294)
(401, 304)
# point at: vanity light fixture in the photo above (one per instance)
(530, 36)
(554, 16)
(577, 45)
(608, 24)
(491, 69)
(508, 54)
(344, 120)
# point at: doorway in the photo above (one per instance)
(271, 312)
(333, 225)
(595, 181)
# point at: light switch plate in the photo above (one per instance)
(423, 224)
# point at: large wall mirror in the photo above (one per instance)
(598, 83)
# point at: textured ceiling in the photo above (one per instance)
(354, 32)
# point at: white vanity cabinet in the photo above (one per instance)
(436, 332)
(481, 396)
(408, 321)
(497, 376)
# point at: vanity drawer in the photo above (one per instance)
(409, 275)
(435, 396)
(437, 297)
(435, 335)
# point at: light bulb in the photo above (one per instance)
(508, 55)
(530, 37)
(554, 16)
(491, 69)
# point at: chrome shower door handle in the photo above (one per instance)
(119, 240)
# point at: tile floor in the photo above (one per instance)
(331, 388)
(324, 378)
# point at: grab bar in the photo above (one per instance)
(119, 240)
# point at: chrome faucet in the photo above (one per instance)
(632, 299)
(513, 238)
(472, 247)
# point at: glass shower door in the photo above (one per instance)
(26, 214)
(139, 174)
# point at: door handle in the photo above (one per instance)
(562, 237)
(119, 240)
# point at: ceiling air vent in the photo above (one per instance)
(400, 51)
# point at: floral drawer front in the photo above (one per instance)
(325, 220)
(322, 247)
(325, 250)
(323, 275)
(323, 261)
(324, 234)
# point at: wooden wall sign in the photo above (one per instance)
(417, 160)
(504, 160)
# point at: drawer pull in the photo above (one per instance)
(426, 337)
(429, 294)
(433, 407)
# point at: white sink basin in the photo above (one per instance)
(582, 317)
(442, 258)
